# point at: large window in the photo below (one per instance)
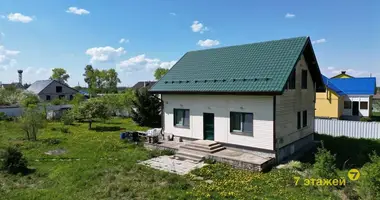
(304, 79)
(298, 120)
(304, 118)
(364, 105)
(58, 89)
(292, 80)
(241, 123)
(182, 118)
(347, 104)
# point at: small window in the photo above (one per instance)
(71, 97)
(364, 105)
(241, 123)
(292, 80)
(347, 104)
(304, 118)
(304, 79)
(298, 120)
(48, 98)
(58, 89)
(182, 118)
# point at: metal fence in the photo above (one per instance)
(15, 111)
(354, 129)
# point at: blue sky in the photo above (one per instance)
(37, 35)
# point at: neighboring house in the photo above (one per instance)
(342, 75)
(346, 97)
(7, 85)
(256, 96)
(143, 84)
(51, 89)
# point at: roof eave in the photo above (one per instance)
(270, 93)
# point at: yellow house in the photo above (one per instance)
(345, 96)
(342, 75)
(329, 104)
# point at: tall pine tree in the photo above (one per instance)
(146, 109)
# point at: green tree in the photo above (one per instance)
(92, 109)
(146, 109)
(90, 79)
(60, 74)
(31, 121)
(111, 81)
(101, 81)
(9, 96)
(160, 72)
(29, 100)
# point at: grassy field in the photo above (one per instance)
(98, 165)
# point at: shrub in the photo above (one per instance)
(64, 129)
(58, 101)
(68, 118)
(52, 141)
(324, 166)
(13, 161)
(369, 181)
(209, 161)
(31, 121)
(156, 153)
(29, 100)
(365, 119)
(3, 116)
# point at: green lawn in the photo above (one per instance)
(107, 169)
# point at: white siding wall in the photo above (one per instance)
(221, 106)
(362, 112)
(291, 102)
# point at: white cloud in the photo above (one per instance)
(332, 71)
(37, 71)
(323, 40)
(123, 40)
(104, 54)
(290, 15)
(7, 58)
(18, 17)
(141, 62)
(172, 13)
(198, 27)
(77, 11)
(208, 43)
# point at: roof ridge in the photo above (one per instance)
(237, 45)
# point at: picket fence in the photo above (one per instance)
(353, 129)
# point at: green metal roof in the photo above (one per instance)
(262, 67)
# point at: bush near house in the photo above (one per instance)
(12, 161)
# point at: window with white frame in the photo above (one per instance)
(363, 105)
(182, 118)
(241, 123)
